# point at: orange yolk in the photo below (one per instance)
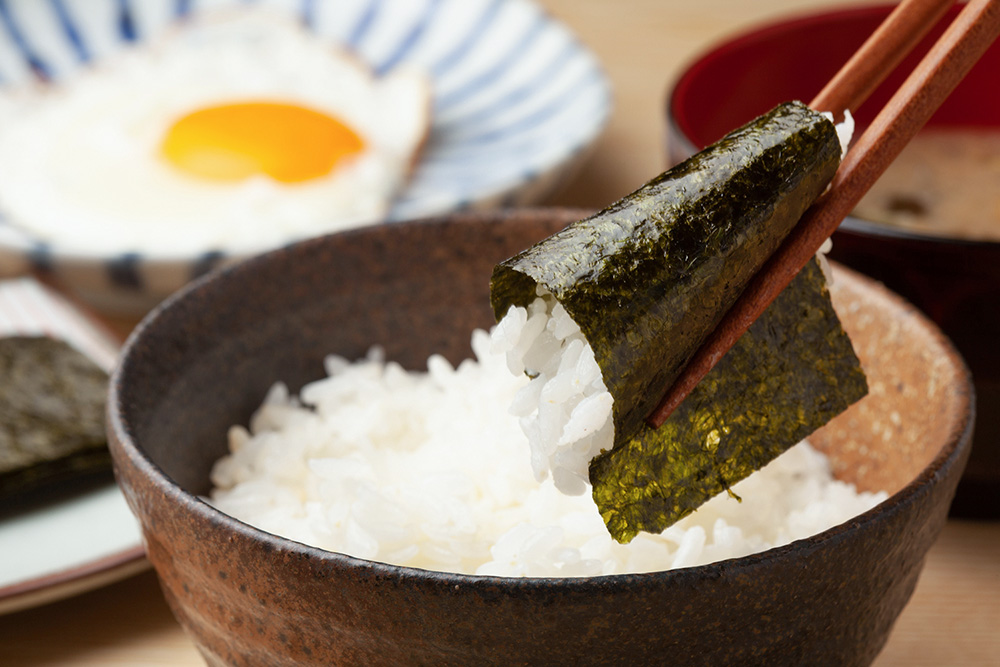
(233, 142)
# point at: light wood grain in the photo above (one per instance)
(954, 615)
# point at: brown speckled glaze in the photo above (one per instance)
(204, 360)
(957, 284)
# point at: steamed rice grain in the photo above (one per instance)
(429, 470)
(565, 409)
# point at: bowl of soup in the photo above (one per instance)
(302, 579)
(929, 228)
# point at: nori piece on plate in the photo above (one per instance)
(651, 275)
(792, 372)
(52, 435)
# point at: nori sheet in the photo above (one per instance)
(52, 434)
(650, 276)
(792, 372)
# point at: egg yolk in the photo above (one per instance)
(232, 142)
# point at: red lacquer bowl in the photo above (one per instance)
(956, 282)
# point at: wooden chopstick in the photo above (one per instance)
(952, 56)
(896, 36)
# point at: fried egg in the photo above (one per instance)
(235, 134)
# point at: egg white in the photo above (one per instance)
(80, 165)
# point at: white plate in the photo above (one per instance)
(67, 548)
(83, 541)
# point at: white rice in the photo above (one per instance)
(845, 130)
(565, 409)
(429, 470)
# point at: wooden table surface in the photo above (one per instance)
(954, 615)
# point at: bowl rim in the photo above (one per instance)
(122, 443)
(679, 124)
(864, 227)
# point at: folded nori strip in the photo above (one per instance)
(52, 400)
(792, 372)
(650, 276)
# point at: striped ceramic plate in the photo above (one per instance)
(517, 100)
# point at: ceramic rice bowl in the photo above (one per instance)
(204, 359)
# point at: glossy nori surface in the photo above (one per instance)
(52, 401)
(792, 372)
(648, 277)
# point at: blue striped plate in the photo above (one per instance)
(517, 102)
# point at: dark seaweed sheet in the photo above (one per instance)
(648, 277)
(792, 372)
(52, 401)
